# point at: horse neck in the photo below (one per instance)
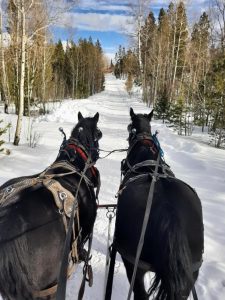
(140, 153)
(78, 163)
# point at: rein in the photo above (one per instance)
(61, 289)
(112, 151)
(144, 225)
(67, 145)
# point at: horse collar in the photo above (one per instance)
(83, 155)
(75, 147)
(78, 150)
(146, 139)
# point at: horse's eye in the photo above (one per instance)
(133, 130)
(80, 129)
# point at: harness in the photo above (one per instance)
(64, 200)
(130, 173)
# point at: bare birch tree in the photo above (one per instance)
(24, 9)
(4, 83)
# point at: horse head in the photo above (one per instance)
(143, 145)
(140, 125)
(87, 134)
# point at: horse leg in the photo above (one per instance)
(139, 288)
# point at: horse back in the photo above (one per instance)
(173, 202)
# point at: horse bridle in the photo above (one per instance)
(135, 138)
(86, 148)
(88, 144)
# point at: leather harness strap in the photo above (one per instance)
(8, 194)
(64, 201)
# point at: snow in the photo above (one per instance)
(191, 159)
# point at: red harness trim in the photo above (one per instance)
(151, 144)
(83, 155)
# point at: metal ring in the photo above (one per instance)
(110, 213)
(9, 189)
(60, 211)
(62, 196)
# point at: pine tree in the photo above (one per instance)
(162, 106)
(58, 61)
(217, 93)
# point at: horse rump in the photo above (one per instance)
(14, 279)
(173, 238)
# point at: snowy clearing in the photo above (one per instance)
(200, 165)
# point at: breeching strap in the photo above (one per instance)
(61, 289)
(194, 293)
(144, 225)
(85, 270)
(109, 283)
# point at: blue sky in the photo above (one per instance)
(109, 21)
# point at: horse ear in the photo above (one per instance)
(150, 115)
(80, 117)
(132, 114)
(96, 117)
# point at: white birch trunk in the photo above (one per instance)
(171, 74)
(22, 76)
(4, 76)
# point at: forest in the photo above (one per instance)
(34, 69)
(178, 64)
(180, 67)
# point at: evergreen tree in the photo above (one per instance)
(68, 71)
(58, 61)
(216, 93)
(162, 106)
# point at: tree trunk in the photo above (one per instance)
(43, 80)
(175, 67)
(22, 76)
(5, 88)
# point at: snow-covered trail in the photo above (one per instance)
(200, 165)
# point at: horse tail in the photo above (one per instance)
(14, 279)
(172, 257)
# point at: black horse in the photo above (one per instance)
(34, 214)
(173, 242)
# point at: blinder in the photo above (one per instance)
(98, 135)
(132, 132)
(130, 129)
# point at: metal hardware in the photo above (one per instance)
(62, 196)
